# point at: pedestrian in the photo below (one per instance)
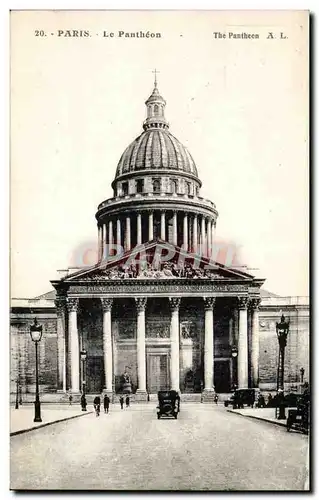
(70, 399)
(269, 403)
(83, 402)
(97, 405)
(216, 398)
(106, 403)
(127, 401)
(121, 402)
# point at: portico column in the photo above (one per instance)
(195, 234)
(107, 343)
(175, 303)
(209, 303)
(209, 239)
(128, 234)
(118, 232)
(139, 228)
(242, 369)
(255, 343)
(141, 356)
(74, 350)
(163, 232)
(212, 228)
(150, 226)
(174, 228)
(185, 233)
(60, 308)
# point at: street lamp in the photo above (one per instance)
(234, 353)
(17, 394)
(36, 335)
(83, 359)
(282, 330)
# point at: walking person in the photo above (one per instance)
(121, 402)
(106, 403)
(216, 398)
(70, 399)
(97, 405)
(127, 401)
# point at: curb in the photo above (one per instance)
(22, 431)
(259, 418)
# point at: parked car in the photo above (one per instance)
(242, 397)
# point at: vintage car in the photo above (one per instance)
(168, 404)
(299, 418)
(242, 397)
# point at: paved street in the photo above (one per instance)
(207, 448)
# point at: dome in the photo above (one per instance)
(156, 149)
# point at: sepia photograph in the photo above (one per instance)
(159, 250)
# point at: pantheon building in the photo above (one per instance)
(156, 311)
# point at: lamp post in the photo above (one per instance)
(36, 335)
(282, 330)
(234, 353)
(17, 394)
(83, 359)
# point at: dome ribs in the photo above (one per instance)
(148, 151)
(156, 151)
(133, 161)
(177, 163)
(163, 150)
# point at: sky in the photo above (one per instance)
(239, 105)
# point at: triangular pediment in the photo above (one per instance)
(158, 260)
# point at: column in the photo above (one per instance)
(110, 237)
(139, 228)
(202, 239)
(163, 225)
(150, 226)
(104, 246)
(195, 246)
(60, 308)
(74, 351)
(107, 343)
(212, 229)
(242, 367)
(209, 303)
(174, 228)
(255, 342)
(128, 234)
(141, 355)
(99, 238)
(209, 239)
(175, 303)
(185, 233)
(118, 232)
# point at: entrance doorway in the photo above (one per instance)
(157, 372)
(94, 374)
(222, 375)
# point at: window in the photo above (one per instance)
(197, 191)
(125, 188)
(156, 186)
(188, 188)
(156, 110)
(174, 185)
(140, 185)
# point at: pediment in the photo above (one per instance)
(158, 260)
